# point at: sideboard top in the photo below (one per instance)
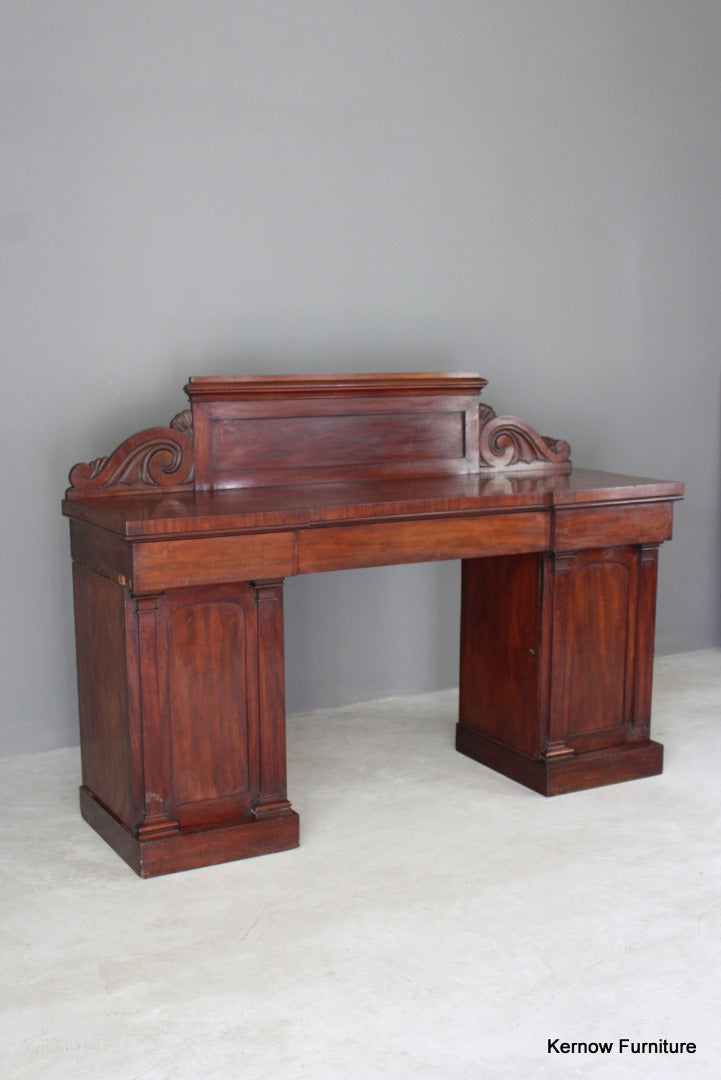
(132, 514)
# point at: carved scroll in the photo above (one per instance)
(157, 458)
(509, 443)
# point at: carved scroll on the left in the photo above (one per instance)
(159, 457)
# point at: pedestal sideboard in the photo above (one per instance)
(182, 538)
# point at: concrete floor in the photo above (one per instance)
(438, 921)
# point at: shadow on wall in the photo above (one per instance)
(358, 635)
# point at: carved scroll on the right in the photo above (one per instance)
(509, 443)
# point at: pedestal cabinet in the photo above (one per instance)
(556, 666)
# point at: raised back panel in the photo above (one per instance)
(287, 430)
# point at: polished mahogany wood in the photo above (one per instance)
(181, 540)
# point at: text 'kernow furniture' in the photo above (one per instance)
(181, 540)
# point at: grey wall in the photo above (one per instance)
(523, 189)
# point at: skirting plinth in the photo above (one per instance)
(189, 848)
(574, 772)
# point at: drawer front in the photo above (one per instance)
(601, 526)
(168, 564)
(384, 543)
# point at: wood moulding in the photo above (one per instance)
(356, 384)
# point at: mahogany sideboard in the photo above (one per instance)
(181, 540)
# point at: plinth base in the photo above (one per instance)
(556, 776)
(191, 847)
